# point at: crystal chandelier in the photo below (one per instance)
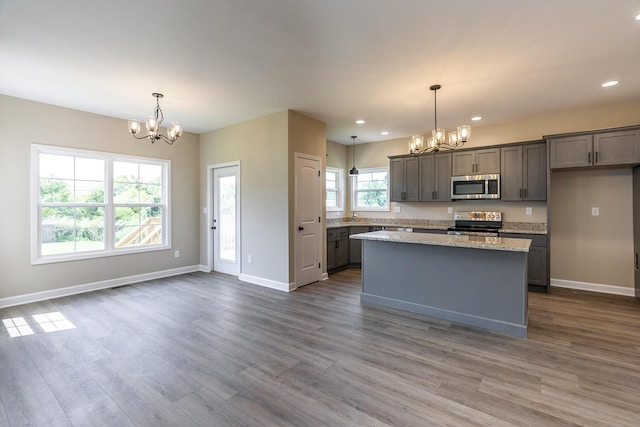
(153, 126)
(457, 138)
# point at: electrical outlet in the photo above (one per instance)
(528, 211)
(396, 209)
(176, 254)
(595, 211)
(249, 259)
(450, 209)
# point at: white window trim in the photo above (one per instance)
(354, 208)
(339, 189)
(109, 232)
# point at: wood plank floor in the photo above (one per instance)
(208, 350)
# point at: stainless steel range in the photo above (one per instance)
(476, 223)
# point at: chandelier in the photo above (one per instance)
(457, 138)
(153, 126)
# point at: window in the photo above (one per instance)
(334, 189)
(370, 190)
(89, 204)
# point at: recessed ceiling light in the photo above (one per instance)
(360, 122)
(610, 83)
(638, 18)
(476, 118)
(384, 132)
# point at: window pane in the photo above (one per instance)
(150, 193)
(89, 169)
(56, 166)
(150, 173)
(125, 193)
(138, 226)
(332, 199)
(376, 199)
(89, 192)
(125, 172)
(331, 185)
(70, 230)
(56, 191)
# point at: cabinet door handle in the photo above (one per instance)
(589, 161)
(637, 262)
(596, 157)
(526, 194)
(337, 244)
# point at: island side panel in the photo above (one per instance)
(478, 287)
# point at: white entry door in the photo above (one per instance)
(226, 220)
(308, 211)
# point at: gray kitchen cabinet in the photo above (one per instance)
(473, 162)
(337, 248)
(355, 246)
(435, 177)
(616, 148)
(523, 172)
(404, 177)
(570, 151)
(537, 260)
(612, 148)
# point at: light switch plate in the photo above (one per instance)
(595, 211)
(450, 209)
(528, 210)
(396, 209)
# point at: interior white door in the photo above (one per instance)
(226, 220)
(308, 228)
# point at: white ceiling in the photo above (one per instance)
(225, 61)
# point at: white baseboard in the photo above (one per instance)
(593, 287)
(325, 276)
(268, 283)
(204, 268)
(88, 287)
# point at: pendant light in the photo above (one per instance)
(353, 171)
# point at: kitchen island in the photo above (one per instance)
(473, 280)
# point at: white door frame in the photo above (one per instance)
(209, 212)
(296, 218)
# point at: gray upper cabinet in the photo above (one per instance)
(612, 148)
(435, 177)
(486, 161)
(523, 172)
(616, 148)
(404, 175)
(571, 151)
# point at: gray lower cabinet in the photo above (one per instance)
(355, 246)
(538, 260)
(471, 162)
(523, 172)
(337, 247)
(404, 179)
(435, 177)
(611, 148)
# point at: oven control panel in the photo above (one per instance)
(478, 216)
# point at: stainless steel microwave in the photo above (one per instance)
(475, 187)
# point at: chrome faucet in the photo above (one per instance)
(353, 216)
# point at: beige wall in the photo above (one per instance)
(587, 248)
(610, 241)
(261, 146)
(25, 122)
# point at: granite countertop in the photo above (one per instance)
(473, 242)
(507, 227)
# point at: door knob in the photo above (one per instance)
(300, 228)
